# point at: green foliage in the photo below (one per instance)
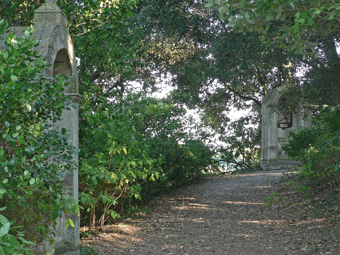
(87, 233)
(107, 177)
(107, 43)
(116, 156)
(182, 164)
(215, 69)
(87, 250)
(33, 157)
(12, 244)
(306, 32)
(271, 199)
(24, 7)
(297, 20)
(318, 148)
(131, 151)
(300, 142)
(202, 153)
(242, 143)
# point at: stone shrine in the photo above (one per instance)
(276, 128)
(56, 47)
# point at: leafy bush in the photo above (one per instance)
(183, 163)
(132, 151)
(10, 244)
(115, 165)
(87, 250)
(318, 148)
(33, 157)
(300, 142)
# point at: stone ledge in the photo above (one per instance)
(75, 96)
(278, 164)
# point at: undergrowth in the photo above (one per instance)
(321, 201)
(87, 250)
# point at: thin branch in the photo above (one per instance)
(256, 101)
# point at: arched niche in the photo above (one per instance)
(62, 64)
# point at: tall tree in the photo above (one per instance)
(299, 19)
(209, 65)
(309, 28)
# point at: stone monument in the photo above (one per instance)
(276, 128)
(56, 47)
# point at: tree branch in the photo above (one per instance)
(256, 101)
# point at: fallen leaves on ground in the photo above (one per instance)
(256, 213)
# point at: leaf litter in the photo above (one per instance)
(254, 213)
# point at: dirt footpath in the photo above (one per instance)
(225, 215)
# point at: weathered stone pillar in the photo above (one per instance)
(57, 49)
(272, 155)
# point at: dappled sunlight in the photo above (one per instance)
(190, 206)
(199, 220)
(200, 205)
(184, 198)
(303, 223)
(215, 219)
(120, 235)
(247, 186)
(261, 222)
(274, 173)
(242, 203)
(189, 198)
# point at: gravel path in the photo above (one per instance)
(224, 215)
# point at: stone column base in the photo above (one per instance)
(279, 164)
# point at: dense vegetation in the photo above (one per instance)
(318, 148)
(309, 31)
(32, 194)
(134, 145)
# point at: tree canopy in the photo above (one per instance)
(298, 20)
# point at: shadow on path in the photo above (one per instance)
(224, 215)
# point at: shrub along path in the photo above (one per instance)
(237, 214)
